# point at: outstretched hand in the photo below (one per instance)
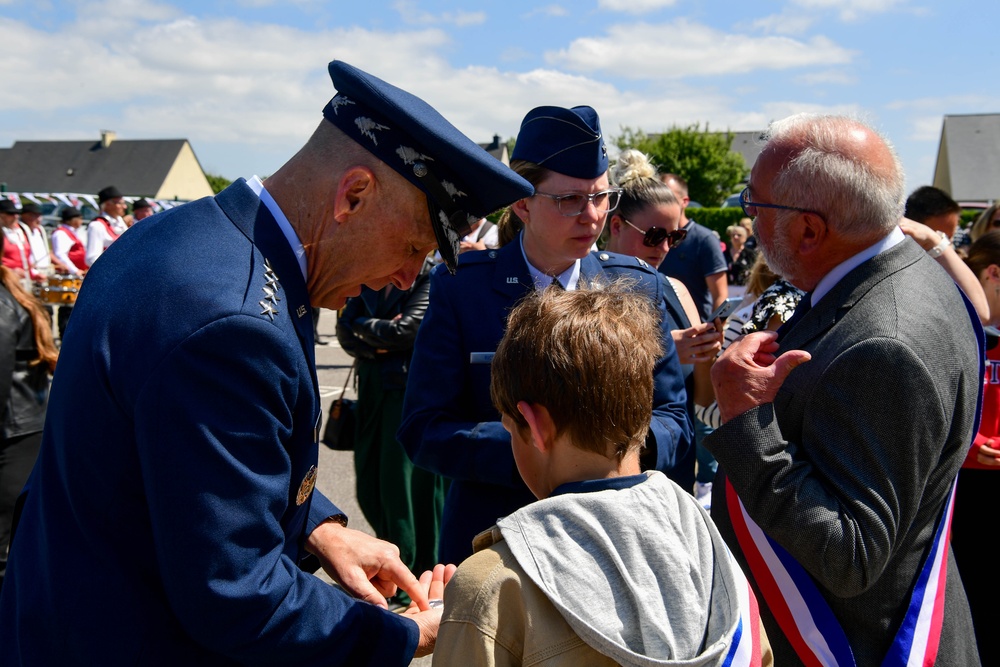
(749, 374)
(429, 619)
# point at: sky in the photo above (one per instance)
(245, 81)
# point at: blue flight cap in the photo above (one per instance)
(566, 141)
(463, 182)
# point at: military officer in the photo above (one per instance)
(449, 423)
(173, 525)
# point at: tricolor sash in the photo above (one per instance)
(806, 619)
(745, 650)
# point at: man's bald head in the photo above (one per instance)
(840, 167)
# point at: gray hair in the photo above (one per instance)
(860, 198)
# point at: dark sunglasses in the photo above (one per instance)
(654, 236)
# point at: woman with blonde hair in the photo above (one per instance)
(987, 221)
(27, 357)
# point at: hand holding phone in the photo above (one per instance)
(727, 308)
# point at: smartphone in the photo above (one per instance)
(727, 308)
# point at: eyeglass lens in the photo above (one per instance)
(570, 205)
(748, 209)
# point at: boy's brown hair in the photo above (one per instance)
(587, 356)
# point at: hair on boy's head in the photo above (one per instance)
(586, 355)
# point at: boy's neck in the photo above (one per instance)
(572, 464)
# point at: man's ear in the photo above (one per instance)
(812, 233)
(356, 185)
(540, 424)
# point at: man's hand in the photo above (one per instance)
(748, 374)
(429, 621)
(367, 568)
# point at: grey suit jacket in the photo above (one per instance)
(850, 467)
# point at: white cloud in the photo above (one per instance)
(681, 49)
(832, 76)
(635, 6)
(547, 10)
(926, 128)
(783, 24)
(852, 10)
(410, 14)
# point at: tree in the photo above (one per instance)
(702, 158)
(218, 183)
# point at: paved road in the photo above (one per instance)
(336, 469)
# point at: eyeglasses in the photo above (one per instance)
(573, 205)
(654, 236)
(750, 207)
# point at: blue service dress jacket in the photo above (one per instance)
(164, 521)
(449, 423)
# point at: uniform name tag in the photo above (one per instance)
(481, 357)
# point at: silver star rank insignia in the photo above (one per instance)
(270, 288)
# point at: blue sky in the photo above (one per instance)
(245, 80)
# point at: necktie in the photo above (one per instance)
(557, 285)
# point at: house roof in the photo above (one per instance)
(748, 144)
(134, 166)
(497, 149)
(968, 163)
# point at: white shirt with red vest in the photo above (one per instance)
(100, 234)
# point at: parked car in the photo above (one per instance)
(51, 212)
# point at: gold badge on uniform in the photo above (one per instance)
(307, 486)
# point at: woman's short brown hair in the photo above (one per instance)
(587, 356)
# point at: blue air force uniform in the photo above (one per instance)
(449, 423)
(209, 370)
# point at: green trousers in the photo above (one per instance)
(402, 502)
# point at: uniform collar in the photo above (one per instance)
(257, 186)
(568, 278)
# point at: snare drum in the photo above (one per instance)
(64, 296)
(66, 280)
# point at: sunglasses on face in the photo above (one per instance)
(654, 236)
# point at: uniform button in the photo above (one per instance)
(604, 256)
(493, 254)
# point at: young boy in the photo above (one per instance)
(611, 565)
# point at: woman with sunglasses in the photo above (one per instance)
(449, 423)
(646, 225)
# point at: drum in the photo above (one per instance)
(65, 280)
(63, 296)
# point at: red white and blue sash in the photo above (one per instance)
(745, 649)
(805, 617)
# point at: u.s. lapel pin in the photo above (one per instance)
(307, 486)
(301, 311)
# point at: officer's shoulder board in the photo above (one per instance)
(614, 260)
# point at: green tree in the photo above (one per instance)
(700, 157)
(218, 183)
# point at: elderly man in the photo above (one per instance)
(844, 431)
(172, 524)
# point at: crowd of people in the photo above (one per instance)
(569, 451)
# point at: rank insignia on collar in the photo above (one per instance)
(271, 288)
(307, 486)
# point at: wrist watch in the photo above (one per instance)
(936, 251)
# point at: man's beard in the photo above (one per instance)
(778, 253)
